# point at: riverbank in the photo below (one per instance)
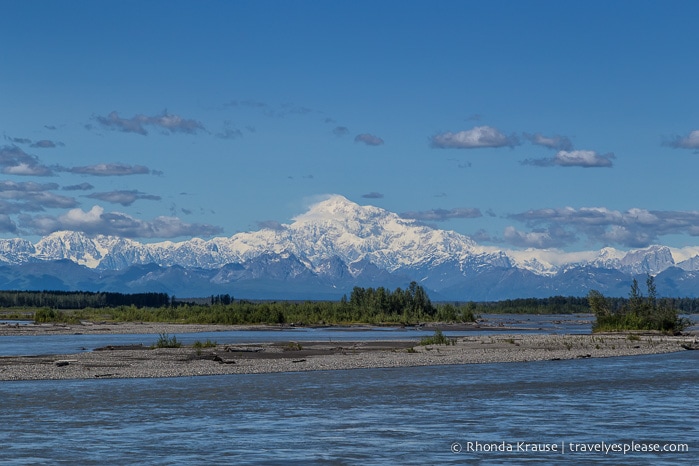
(142, 362)
(126, 328)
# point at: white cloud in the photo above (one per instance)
(123, 197)
(540, 239)
(632, 228)
(110, 169)
(688, 142)
(441, 215)
(369, 139)
(553, 142)
(97, 221)
(574, 158)
(138, 123)
(14, 161)
(478, 137)
(582, 158)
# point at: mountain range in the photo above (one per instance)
(324, 253)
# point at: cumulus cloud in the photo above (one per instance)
(97, 221)
(690, 141)
(25, 186)
(78, 187)
(30, 196)
(123, 197)
(632, 228)
(475, 138)
(166, 122)
(369, 139)
(553, 142)
(540, 238)
(110, 169)
(574, 158)
(441, 215)
(14, 161)
(583, 158)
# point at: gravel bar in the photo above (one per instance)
(142, 362)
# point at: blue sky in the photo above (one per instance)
(545, 124)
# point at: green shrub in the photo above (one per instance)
(437, 339)
(166, 341)
(640, 313)
(207, 344)
(46, 315)
(293, 346)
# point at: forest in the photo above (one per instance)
(364, 305)
(81, 299)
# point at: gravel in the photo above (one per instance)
(318, 356)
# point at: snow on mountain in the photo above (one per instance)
(16, 251)
(691, 264)
(334, 228)
(338, 227)
(337, 243)
(608, 258)
(70, 245)
(651, 260)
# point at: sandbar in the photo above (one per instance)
(290, 356)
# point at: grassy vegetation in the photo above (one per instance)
(369, 306)
(206, 344)
(47, 315)
(293, 346)
(377, 306)
(167, 341)
(639, 313)
(437, 339)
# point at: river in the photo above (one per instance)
(580, 411)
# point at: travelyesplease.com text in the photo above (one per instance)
(564, 447)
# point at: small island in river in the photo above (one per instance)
(289, 356)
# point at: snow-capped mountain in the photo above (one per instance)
(335, 245)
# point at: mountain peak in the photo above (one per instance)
(335, 207)
(338, 243)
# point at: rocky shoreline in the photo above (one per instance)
(144, 362)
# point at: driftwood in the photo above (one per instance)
(239, 349)
(122, 347)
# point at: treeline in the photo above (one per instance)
(265, 312)
(364, 305)
(412, 301)
(552, 305)
(405, 306)
(571, 305)
(81, 299)
(639, 312)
